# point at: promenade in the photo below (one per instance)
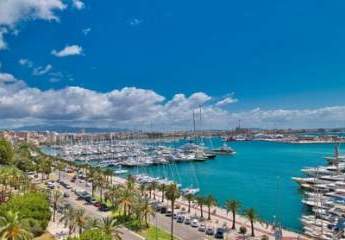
(220, 217)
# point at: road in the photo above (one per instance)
(92, 211)
(181, 231)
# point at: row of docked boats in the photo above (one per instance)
(146, 179)
(324, 196)
(132, 154)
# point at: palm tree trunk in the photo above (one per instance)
(188, 206)
(162, 195)
(209, 213)
(252, 226)
(172, 221)
(54, 212)
(233, 220)
(201, 212)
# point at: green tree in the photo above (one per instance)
(210, 201)
(252, 216)
(172, 194)
(201, 201)
(68, 218)
(33, 206)
(189, 198)
(243, 231)
(146, 210)
(6, 152)
(232, 206)
(60, 167)
(110, 226)
(93, 234)
(80, 219)
(56, 197)
(162, 188)
(12, 227)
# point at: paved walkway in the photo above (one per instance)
(219, 217)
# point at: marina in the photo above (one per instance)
(258, 171)
(324, 196)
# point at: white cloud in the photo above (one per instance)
(86, 31)
(68, 51)
(39, 71)
(137, 108)
(3, 44)
(6, 77)
(226, 101)
(78, 4)
(135, 21)
(14, 11)
(25, 62)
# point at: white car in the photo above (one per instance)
(195, 223)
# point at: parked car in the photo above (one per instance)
(66, 195)
(104, 208)
(202, 228)
(195, 223)
(180, 219)
(97, 204)
(157, 207)
(209, 231)
(163, 210)
(219, 233)
(168, 213)
(187, 221)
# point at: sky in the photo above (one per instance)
(143, 63)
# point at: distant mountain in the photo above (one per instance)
(67, 129)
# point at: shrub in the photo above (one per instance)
(34, 207)
(94, 234)
(6, 152)
(243, 230)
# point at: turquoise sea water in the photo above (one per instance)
(259, 176)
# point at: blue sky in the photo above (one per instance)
(271, 55)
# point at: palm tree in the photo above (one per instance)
(108, 173)
(162, 187)
(110, 227)
(252, 216)
(201, 201)
(146, 210)
(210, 201)
(142, 188)
(113, 195)
(68, 218)
(172, 193)
(150, 188)
(190, 198)
(80, 219)
(91, 223)
(55, 199)
(12, 227)
(233, 206)
(126, 199)
(60, 167)
(155, 186)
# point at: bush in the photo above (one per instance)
(264, 237)
(92, 234)
(243, 230)
(34, 207)
(6, 152)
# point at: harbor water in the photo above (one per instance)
(258, 175)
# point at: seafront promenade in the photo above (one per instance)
(220, 217)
